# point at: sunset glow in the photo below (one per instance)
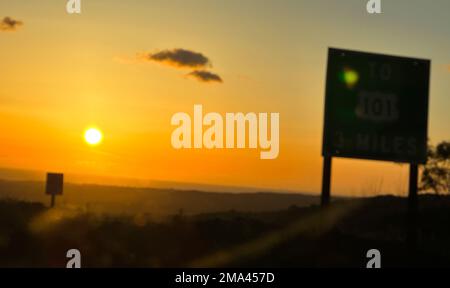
(91, 69)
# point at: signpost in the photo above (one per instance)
(376, 107)
(54, 186)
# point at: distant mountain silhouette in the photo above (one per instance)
(35, 175)
(156, 202)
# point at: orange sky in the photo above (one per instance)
(64, 73)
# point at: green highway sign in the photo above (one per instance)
(376, 107)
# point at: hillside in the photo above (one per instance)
(33, 235)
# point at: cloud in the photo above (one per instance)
(185, 59)
(9, 24)
(180, 58)
(205, 76)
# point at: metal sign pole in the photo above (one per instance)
(326, 180)
(52, 201)
(412, 206)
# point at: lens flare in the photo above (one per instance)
(350, 77)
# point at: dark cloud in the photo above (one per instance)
(9, 24)
(179, 58)
(183, 58)
(205, 76)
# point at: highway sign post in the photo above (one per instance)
(376, 107)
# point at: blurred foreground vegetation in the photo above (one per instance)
(32, 235)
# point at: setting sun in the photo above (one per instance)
(93, 136)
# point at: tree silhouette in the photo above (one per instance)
(436, 173)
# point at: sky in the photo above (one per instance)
(61, 74)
